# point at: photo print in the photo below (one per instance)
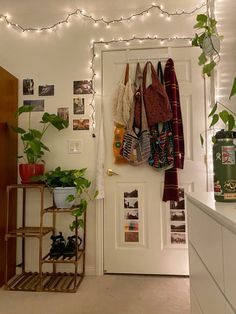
(178, 238)
(46, 90)
(131, 226)
(38, 104)
(78, 104)
(131, 237)
(177, 215)
(63, 112)
(133, 193)
(131, 214)
(130, 202)
(82, 87)
(177, 226)
(81, 124)
(181, 203)
(28, 87)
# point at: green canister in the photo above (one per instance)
(224, 162)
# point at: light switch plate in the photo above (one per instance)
(75, 146)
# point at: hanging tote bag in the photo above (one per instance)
(155, 98)
(124, 95)
(161, 139)
(136, 143)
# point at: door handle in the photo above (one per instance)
(110, 173)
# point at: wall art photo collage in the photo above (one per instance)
(131, 216)
(178, 230)
(82, 87)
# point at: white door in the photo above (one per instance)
(142, 234)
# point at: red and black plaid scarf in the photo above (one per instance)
(172, 90)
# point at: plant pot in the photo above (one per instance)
(60, 194)
(211, 46)
(27, 171)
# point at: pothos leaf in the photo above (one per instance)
(213, 110)
(215, 119)
(201, 139)
(233, 89)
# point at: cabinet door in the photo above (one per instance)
(195, 307)
(229, 247)
(205, 234)
(207, 292)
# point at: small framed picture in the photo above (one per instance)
(28, 87)
(131, 236)
(130, 202)
(46, 90)
(78, 104)
(38, 104)
(83, 87)
(81, 124)
(63, 112)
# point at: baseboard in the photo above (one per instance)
(90, 271)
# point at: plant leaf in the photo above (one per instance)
(215, 119)
(231, 122)
(23, 108)
(213, 110)
(224, 115)
(201, 18)
(202, 140)
(18, 130)
(233, 89)
(208, 68)
(202, 59)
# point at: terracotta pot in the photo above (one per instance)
(27, 171)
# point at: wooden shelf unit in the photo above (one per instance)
(44, 281)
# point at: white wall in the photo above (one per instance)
(62, 57)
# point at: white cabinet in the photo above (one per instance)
(212, 254)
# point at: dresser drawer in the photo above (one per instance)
(205, 234)
(203, 286)
(229, 242)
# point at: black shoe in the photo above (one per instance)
(58, 246)
(70, 249)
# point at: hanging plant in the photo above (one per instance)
(208, 40)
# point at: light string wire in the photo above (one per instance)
(81, 12)
(114, 41)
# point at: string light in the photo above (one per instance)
(127, 42)
(96, 21)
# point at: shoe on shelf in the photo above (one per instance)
(70, 249)
(58, 246)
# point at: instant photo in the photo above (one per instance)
(38, 104)
(81, 124)
(78, 104)
(46, 90)
(82, 87)
(28, 87)
(63, 112)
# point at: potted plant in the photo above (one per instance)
(32, 139)
(208, 40)
(224, 148)
(70, 188)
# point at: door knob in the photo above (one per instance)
(110, 173)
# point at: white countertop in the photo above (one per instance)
(224, 213)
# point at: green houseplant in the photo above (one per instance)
(32, 140)
(75, 178)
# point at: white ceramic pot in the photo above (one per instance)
(60, 194)
(211, 46)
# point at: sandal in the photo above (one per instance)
(58, 246)
(70, 249)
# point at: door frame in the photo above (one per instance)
(209, 100)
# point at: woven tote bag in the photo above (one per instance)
(136, 143)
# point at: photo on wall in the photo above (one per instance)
(37, 103)
(177, 215)
(178, 238)
(46, 90)
(82, 87)
(130, 202)
(80, 124)
(131, 214)
(178, 226)
(63, 112)
(131, 236)
(78, 104)
(28, 87)
(131, 226)
(181, 203)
